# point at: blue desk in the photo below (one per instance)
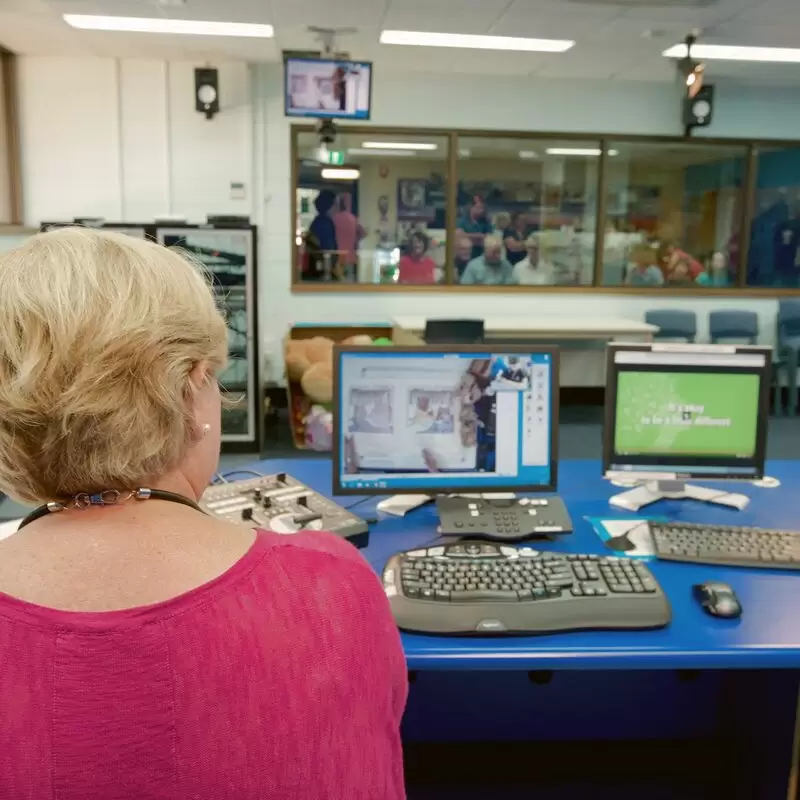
(767, 637)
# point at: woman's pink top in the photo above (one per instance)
(282, 679)
(412, 271)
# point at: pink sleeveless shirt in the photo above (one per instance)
(282, 679)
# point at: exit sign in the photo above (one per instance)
(334, 157)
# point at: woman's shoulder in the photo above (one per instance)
(311, 546)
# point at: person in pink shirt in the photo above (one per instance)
(349, 232)
(148, 650)
(415, 266)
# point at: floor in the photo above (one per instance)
(581, 436)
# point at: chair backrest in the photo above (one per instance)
(788, 319)
(673, 324)
(454, 331)
(740, 325)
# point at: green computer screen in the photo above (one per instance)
(686, 413)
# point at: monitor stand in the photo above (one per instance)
(652, 491)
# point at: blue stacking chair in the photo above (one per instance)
(741, 326)
(673, 324)
(788, 345)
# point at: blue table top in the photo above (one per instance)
(767, 635)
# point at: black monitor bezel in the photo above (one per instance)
(609, 426)
(327, 115)
(488, 349)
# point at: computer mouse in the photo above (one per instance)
(718, 599)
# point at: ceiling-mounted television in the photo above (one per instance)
(327, 88)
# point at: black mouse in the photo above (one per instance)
(718, 599)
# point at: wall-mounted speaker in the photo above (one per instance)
(698, 110)
(206, 91)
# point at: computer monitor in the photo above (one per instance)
(328, 89)
(445, 419)
(681, 411)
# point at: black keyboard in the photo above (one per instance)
(478, 588)
(726, 544)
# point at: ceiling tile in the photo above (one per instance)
(771, 12)
(434, 18)
(520, 9)
(344, 14)
(721, 11)
(546, 27)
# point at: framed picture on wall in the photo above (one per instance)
(412, 200)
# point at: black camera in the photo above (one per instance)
(326, 132)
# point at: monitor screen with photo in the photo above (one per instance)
(444, 419)
(687, 411)
(326, 89)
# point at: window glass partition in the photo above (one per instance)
(526, 211)
(673, 213)
(371, 209)
(386, 208)
(774, 256)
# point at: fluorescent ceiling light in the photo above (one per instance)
(399, 146)
(727, 52)
(92, 22)
(529, 154)
(361, 151)
(473, 42)
(577, 151)
(464, 153)
(338, 174)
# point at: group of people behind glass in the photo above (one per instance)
(505, 251)
(655, 265)
(330, 246)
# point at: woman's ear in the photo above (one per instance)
(199, 375)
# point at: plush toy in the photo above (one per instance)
(309, 362)
(317, 383)
(296, 358)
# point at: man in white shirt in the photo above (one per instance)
(533, 270)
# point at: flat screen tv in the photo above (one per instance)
(327, 89)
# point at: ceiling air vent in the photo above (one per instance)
(648, 3)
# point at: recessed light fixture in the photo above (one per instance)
(92, 22)
(362, 151)
(528, 154)
(464, 153)
(727, 52)
(399, 146)
(338, 174)
(474, 42)
(578, 151)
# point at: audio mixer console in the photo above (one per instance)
(282, 504)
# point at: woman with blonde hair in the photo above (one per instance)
(148, 650)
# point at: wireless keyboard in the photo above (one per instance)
(479, 588)
(726, 544)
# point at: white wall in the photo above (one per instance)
(122, 140)
(504, 104)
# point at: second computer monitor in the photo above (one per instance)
(686, 411)
(433, 420)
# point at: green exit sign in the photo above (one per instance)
(335, 157)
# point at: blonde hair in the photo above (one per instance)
(490, 241)
(100, 333)
(502, 219)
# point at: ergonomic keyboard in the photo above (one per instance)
(480, 588)
(726, 544)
